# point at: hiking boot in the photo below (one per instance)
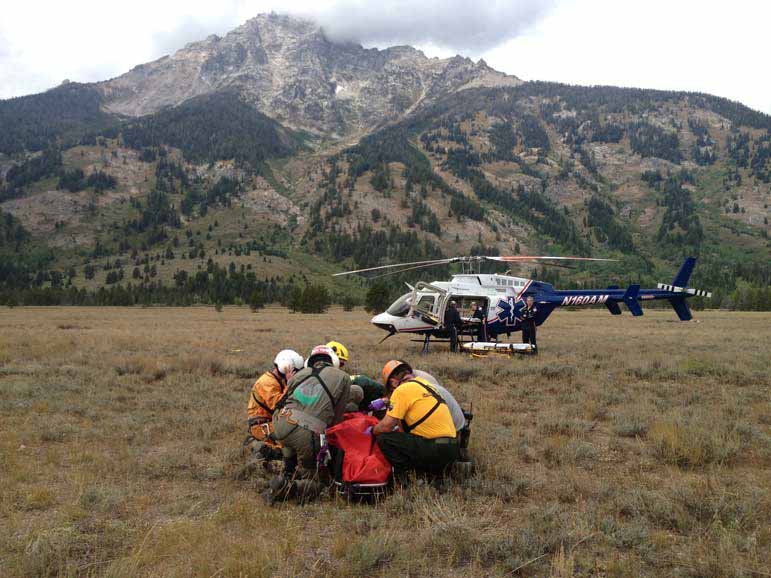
(307, 491)
(280, 489)
(269, 452)
(461, 471)
(268, 498)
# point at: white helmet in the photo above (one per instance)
(323, 351)
(287, 360)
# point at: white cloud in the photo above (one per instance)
(697, 45)
(464, 25)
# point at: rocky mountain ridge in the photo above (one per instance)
(290, 71)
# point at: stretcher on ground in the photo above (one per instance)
(360, 471)
(484, 348)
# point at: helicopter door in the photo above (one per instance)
(441, 306)
(426, 300)
(463, 304)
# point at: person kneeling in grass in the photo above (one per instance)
(417, 433)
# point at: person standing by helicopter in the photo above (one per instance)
(452, 322)
(480, 314)
(529, 312)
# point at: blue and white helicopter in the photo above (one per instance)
(502, 298)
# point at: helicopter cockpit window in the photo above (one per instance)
(401, 306)
(426, 303)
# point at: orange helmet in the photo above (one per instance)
(392, 366)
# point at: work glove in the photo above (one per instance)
(378, 405)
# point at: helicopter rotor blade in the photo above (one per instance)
(472, 259)
(419, 263)
(527, 258)
(403, 270)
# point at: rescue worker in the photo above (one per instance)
(371, 389)
(316, 400)
(452, 404)
(479, 313)
(459, 419)
(417, 432)
(267, 391)
(341, 351)
(529, 312)
(452, 322)
(355, 400)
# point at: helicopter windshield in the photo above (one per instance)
(401, 306)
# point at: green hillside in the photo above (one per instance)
(213, 202)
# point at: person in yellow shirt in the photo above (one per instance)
(267, 391)
(417, 432)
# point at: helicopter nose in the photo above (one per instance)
(384, 321)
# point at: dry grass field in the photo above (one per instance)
(629, 447)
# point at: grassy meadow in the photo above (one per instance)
(629, 447)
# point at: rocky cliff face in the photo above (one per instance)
(290, 71)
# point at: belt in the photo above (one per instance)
(444, 441)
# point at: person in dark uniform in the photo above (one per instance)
(452, 322)
(479, 313)
(529, 312)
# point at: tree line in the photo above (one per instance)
(12, 233)
(214, 127)
(48, 164)
(58, 117)
(607, 227)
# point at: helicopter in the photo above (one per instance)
(502, 298)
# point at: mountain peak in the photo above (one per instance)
(287, 68)
(279, 23)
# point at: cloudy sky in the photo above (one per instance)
(710, 46)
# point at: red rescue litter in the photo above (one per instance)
(363, 462)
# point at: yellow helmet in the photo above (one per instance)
(340, 349)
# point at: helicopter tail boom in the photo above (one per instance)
(633, 295)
